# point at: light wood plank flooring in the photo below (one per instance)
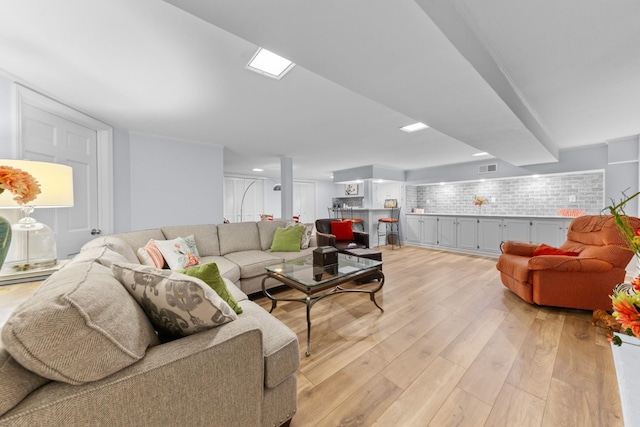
(454, 347)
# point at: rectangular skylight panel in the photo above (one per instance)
(414, 127)
(270, 64)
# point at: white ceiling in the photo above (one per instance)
(521, 80)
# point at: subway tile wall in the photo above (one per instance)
(541, 196)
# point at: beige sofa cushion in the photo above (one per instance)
(80, 325)
(242, 236)
(102, 255)
(267, 229)
(16, 382)
(116, 244)
(237, 294)
(227, 268)
(280, 345)
(137, 239)
(206, 236)
(252, 263)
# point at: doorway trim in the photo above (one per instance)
(104, 152)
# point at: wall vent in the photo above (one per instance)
(488, 168)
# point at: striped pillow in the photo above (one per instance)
(150, 255)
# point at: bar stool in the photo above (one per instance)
(354, 221)
(391, 228)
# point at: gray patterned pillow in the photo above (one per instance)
(306, 236)
(176, 304)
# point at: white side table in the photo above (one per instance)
(10, 276)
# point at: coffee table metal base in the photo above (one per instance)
(313, 294)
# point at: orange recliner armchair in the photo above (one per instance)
(582, 280)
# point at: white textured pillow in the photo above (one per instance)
(178, 253)
(176, 304)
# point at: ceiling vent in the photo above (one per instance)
(488, 168)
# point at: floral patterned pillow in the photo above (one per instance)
(179, 253)
(176, 304)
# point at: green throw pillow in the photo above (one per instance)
(210, 275)
(287, 239)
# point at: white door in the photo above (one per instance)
(48, 137)
(304, 201)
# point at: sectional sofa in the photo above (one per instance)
(81, 350)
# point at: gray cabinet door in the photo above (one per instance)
(550, 232)
(429, 230)
(467, 233)
(414, 224)
(516, 230)
(490, 234)
(447, 232)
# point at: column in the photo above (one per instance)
(286, 180)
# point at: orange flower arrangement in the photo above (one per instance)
(479, 201)
(626, 296)
(19, 183)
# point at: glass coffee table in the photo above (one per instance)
(319, 282)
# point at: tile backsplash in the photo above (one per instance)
(540, 196)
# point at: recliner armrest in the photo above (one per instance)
(518, 248)
(569, 264)
(324, 239)
(362, 238)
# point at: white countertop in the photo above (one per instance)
(490, 215)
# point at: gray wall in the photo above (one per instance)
(121, 181)
(174, 182)
(325, 191)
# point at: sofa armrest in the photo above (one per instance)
(569, 264)
(362, 238)
(324, 239)
(518, 248)
(197, 380)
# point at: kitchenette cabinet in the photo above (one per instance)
(480, 234)
(422, 229)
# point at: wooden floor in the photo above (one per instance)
(453, 347)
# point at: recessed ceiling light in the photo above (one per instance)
(414, 127)
(257, 170)
(480, 154)
(269, 64)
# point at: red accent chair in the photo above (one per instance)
(584, 281)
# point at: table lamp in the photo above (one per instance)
(33, 244)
